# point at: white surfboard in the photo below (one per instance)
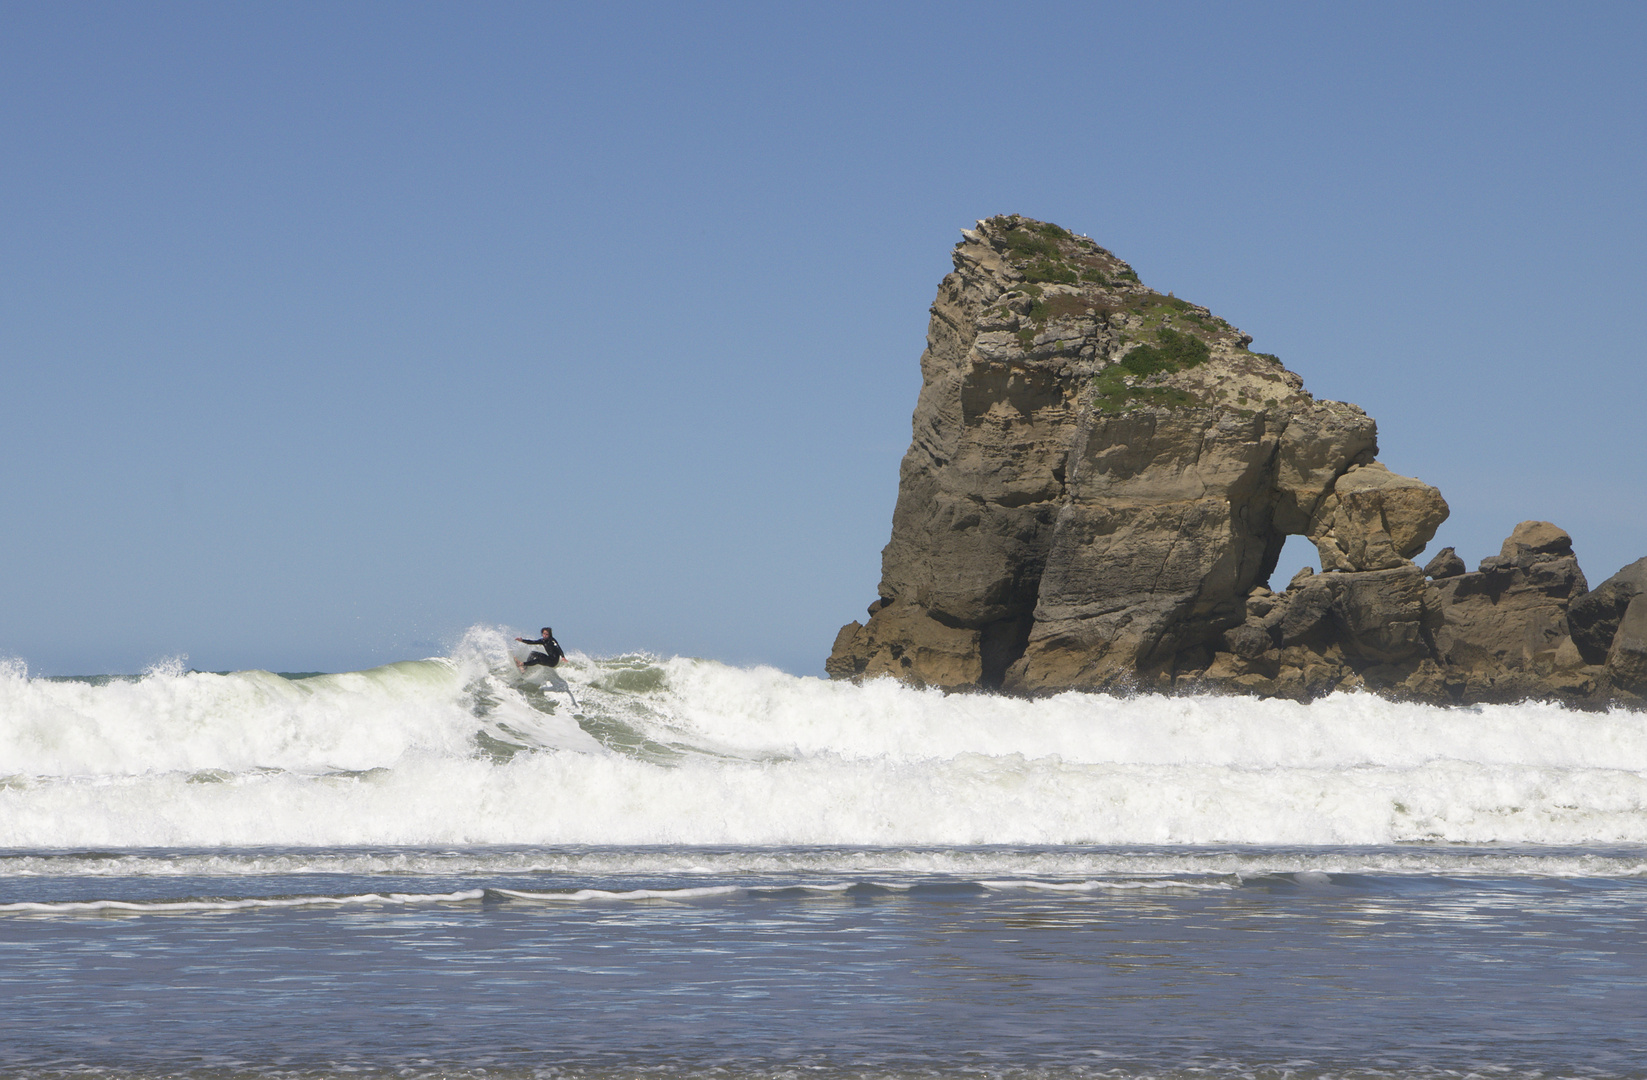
(543, 675)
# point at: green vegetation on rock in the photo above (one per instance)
(1115, 389)
(1039, 246)
(1112, 394)
(1062, 305)
(1175, 352)
(1039, 240)
(1047, 270)
(1058, 305)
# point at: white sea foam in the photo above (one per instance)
(584, 896)
(981, 864)
(1108, 885)
(153, 907)
(458, 751)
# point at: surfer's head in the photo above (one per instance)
(548, 632)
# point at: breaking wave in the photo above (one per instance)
(637, 750)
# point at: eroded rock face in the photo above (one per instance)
(1098, 487)
(1151, 552)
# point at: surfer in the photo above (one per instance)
(550, 656)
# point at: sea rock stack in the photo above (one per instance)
(1099, 486)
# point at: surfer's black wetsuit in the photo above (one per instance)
(551, 655)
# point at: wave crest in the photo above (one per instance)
(462, 749)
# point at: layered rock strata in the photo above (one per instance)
(1099, 486)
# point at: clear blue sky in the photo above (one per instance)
(328, 330)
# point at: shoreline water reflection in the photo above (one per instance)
(693, 962)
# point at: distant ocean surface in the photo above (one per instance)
(437, 868)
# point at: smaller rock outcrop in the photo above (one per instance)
(1375, 519)
(1627, 659)
(904, 642)
(1504, 628)
(1329, 631)
(1609, 627)
(1594, 617)
(1498, 634)
(1446, 564)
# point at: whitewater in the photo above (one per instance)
(461, 750)
(444, 868)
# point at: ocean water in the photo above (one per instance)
(671, 866)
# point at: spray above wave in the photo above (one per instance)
(460, 751)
